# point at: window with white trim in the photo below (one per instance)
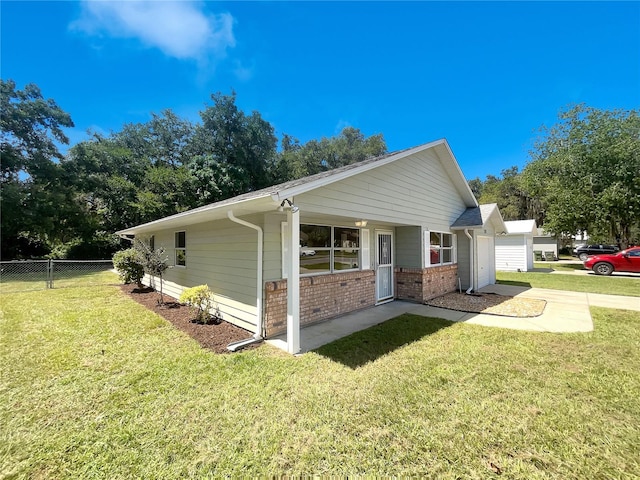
(328, 249)
(440, 248)
(180, 246)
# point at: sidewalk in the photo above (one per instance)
(565, 312)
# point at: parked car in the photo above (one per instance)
(586, 251)
(625, 261)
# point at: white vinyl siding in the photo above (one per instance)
(224, 256)
(414, 191)
(513, 253)
(463, 260)
(408, 247)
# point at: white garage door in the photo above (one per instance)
(484, 261)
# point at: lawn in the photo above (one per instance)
(615, 285)
(559, 267)
(23, 281)
(95, 386)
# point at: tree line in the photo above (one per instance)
(583, 173)
(69, 205)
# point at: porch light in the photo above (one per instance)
(293, 207)
(361, 223)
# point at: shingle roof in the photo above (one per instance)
(475, 216)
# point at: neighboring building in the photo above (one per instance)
(401, 226)
(546, 243)
(514, 250)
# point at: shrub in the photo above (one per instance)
(201, 302)
(128, 264)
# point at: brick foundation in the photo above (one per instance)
(321, 297)
(422, 284)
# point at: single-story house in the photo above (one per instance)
(514, 249)
(404, 225)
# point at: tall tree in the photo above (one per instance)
(509, 193)
(585, 171)
(30, 126)
(232, 153)
(316, 156)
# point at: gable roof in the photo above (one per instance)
(267, 198)
(479, 217)
(515, 227)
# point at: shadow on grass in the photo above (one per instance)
(368, 345)
(514, 283)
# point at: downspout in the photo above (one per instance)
(126, 237)
(471, 262)
(257, 337)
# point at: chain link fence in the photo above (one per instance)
(25, 275)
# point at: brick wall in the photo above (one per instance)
(321, 297)
(422, 284)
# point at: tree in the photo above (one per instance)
(154, 262)
(509, 193)
(232, 153)
(350, 146)
(585, 170)
(30, 126)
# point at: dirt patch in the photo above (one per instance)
(490, 303)
(212, 337)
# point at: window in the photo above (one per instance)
(325, 249)
(181, 249)
(440, 249)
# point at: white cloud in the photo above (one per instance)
(179, 29)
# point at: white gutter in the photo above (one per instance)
(471, 262)
(257, 337)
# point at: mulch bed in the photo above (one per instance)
(212, 337)
(490, 303)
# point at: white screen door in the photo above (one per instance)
(384, 266)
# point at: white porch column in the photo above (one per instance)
(293, 283)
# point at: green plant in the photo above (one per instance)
(201, 302)
(129, 266)
(154, 262)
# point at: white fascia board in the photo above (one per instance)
(321, 182)
(214, 211)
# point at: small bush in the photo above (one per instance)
(201, 302)
(128, 264)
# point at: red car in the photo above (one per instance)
(625, 261)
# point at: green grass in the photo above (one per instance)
(93, 385)
(576, 283)
(559, 267)
(22, 282)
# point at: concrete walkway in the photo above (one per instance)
(565, 312)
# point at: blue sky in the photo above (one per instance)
(483, 75)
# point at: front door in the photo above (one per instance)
(384, 266)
